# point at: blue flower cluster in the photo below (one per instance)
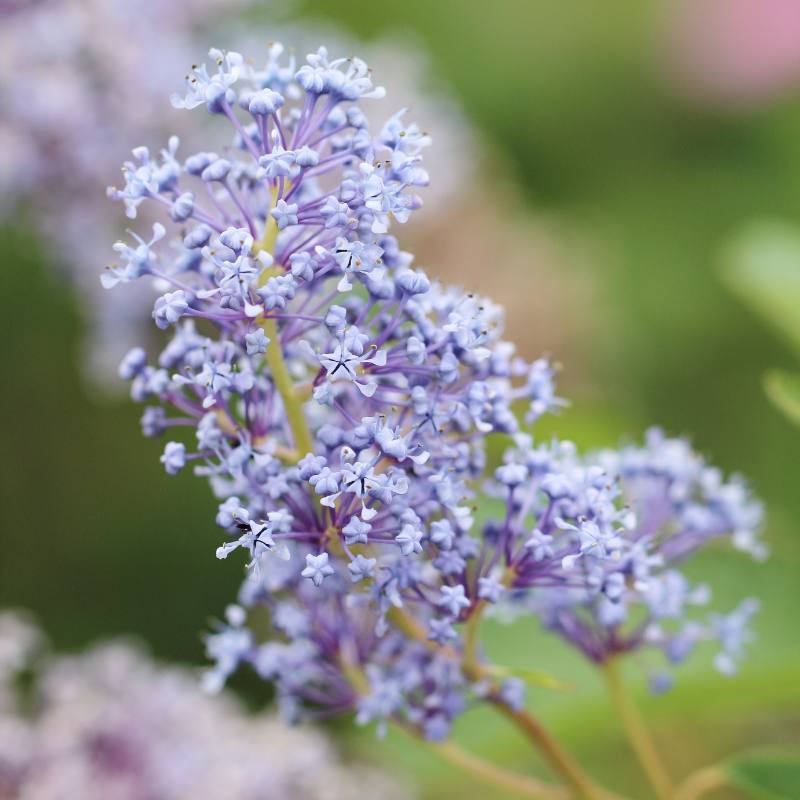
(601, 566)
(341, 401)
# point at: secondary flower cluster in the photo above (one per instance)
(109, 724)
(342, 401)
(630, 518)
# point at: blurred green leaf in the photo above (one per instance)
(533, 677)
(766, 775)
(783, 388)
(762, 266)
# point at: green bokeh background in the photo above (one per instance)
(97, 540)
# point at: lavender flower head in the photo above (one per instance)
(341, 401)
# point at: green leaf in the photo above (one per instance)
(762, 266)
(533, 677)
(783, 388)
(765, 775)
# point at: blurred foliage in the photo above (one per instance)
(761, 265)
(766, 776)
(97, 539)
(783, 388)
(94, 539)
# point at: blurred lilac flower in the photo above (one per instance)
(112, 724)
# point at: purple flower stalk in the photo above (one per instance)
(342, 400)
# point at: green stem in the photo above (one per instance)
(637, 733)
(557, 757)
(449, 751)
(285, 386)
(700, 782)
(497, 776)
(471, 666)
(292, 401)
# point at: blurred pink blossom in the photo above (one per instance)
(734, 53)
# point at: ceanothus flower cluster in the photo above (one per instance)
(601, 564)
(341, 402)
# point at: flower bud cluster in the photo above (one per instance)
(342, 400)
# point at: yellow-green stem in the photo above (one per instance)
(449, 751)
(284, 384)
(700, 782)
(471, 666)
(497, 776)
(292, 401)
(557, 757)
(637, 733)
(408, 625)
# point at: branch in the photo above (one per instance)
(700, 782)
(637, 733)
(450, 751)
(292, 400)
(558, 758)
(521, 784)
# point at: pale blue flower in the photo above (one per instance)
(410, 540)
(356, 532)
(257, 342)
(278, 164)
(441, 631)
(317, 568)
(285, 214)
(490, 589)
(169, 308)
(362, 568)
(454, 599)
(393, 385)
(174, 457)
